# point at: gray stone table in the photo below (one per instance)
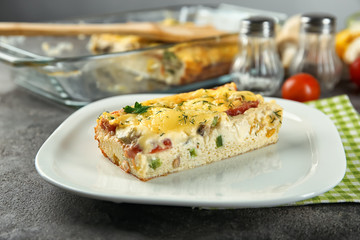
(31, 208)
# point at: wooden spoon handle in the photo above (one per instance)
(145, 29)
(63, 29)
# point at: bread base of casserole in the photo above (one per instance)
(240, 134)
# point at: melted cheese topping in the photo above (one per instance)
(183, 112)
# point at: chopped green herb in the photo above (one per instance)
(162, 134)
(137, 109)
(155, 163)
(215, 121)
(272, 119)
(171, 62)
(204, 101)
(171, 71)
(278, 115)
(192, 152)
(183, 118)
(219, 141)
(169, 55)
(207, 96)
(180, 104)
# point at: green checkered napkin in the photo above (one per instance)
(347, 121)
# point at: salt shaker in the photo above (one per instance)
(316, 54)
(257, 66)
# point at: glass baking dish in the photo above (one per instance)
(67, 70)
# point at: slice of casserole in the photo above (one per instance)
(178, 132)
(177, 65)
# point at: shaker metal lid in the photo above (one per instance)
(257, 26)
(318, 23)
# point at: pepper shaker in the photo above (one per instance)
(316, 53)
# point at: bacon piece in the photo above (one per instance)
(242, 108)
(104, 123)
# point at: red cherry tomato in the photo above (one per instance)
(354, 70)
(167, 144)
(301, 87)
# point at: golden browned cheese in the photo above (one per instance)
(184, 112)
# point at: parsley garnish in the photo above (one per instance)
(155, 163)
(137, 109)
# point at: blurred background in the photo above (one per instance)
(44, 10)
(86, 79)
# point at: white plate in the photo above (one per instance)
(308, 160)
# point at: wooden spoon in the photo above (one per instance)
(149, 30)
